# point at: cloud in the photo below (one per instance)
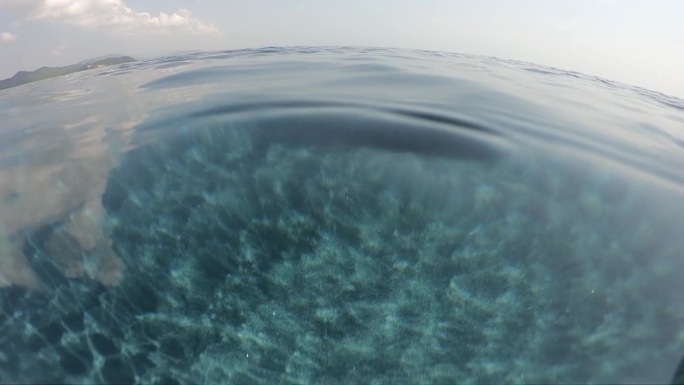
(59, 50)
(7, 36)
(109, 14)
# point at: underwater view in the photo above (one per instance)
(340, 216)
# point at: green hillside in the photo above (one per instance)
(23, 77)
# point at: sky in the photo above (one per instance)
(639, 42)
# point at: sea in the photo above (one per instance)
(335, 215)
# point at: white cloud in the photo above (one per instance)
(111, 14)
(7, 36)
(59, 50)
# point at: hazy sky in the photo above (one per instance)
(639, 42)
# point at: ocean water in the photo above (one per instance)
(340, 216)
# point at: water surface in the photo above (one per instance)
(340, 215)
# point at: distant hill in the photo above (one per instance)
(23, 77)
(94, 59)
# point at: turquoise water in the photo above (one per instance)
(340, 216)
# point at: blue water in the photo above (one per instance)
(340, 216)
